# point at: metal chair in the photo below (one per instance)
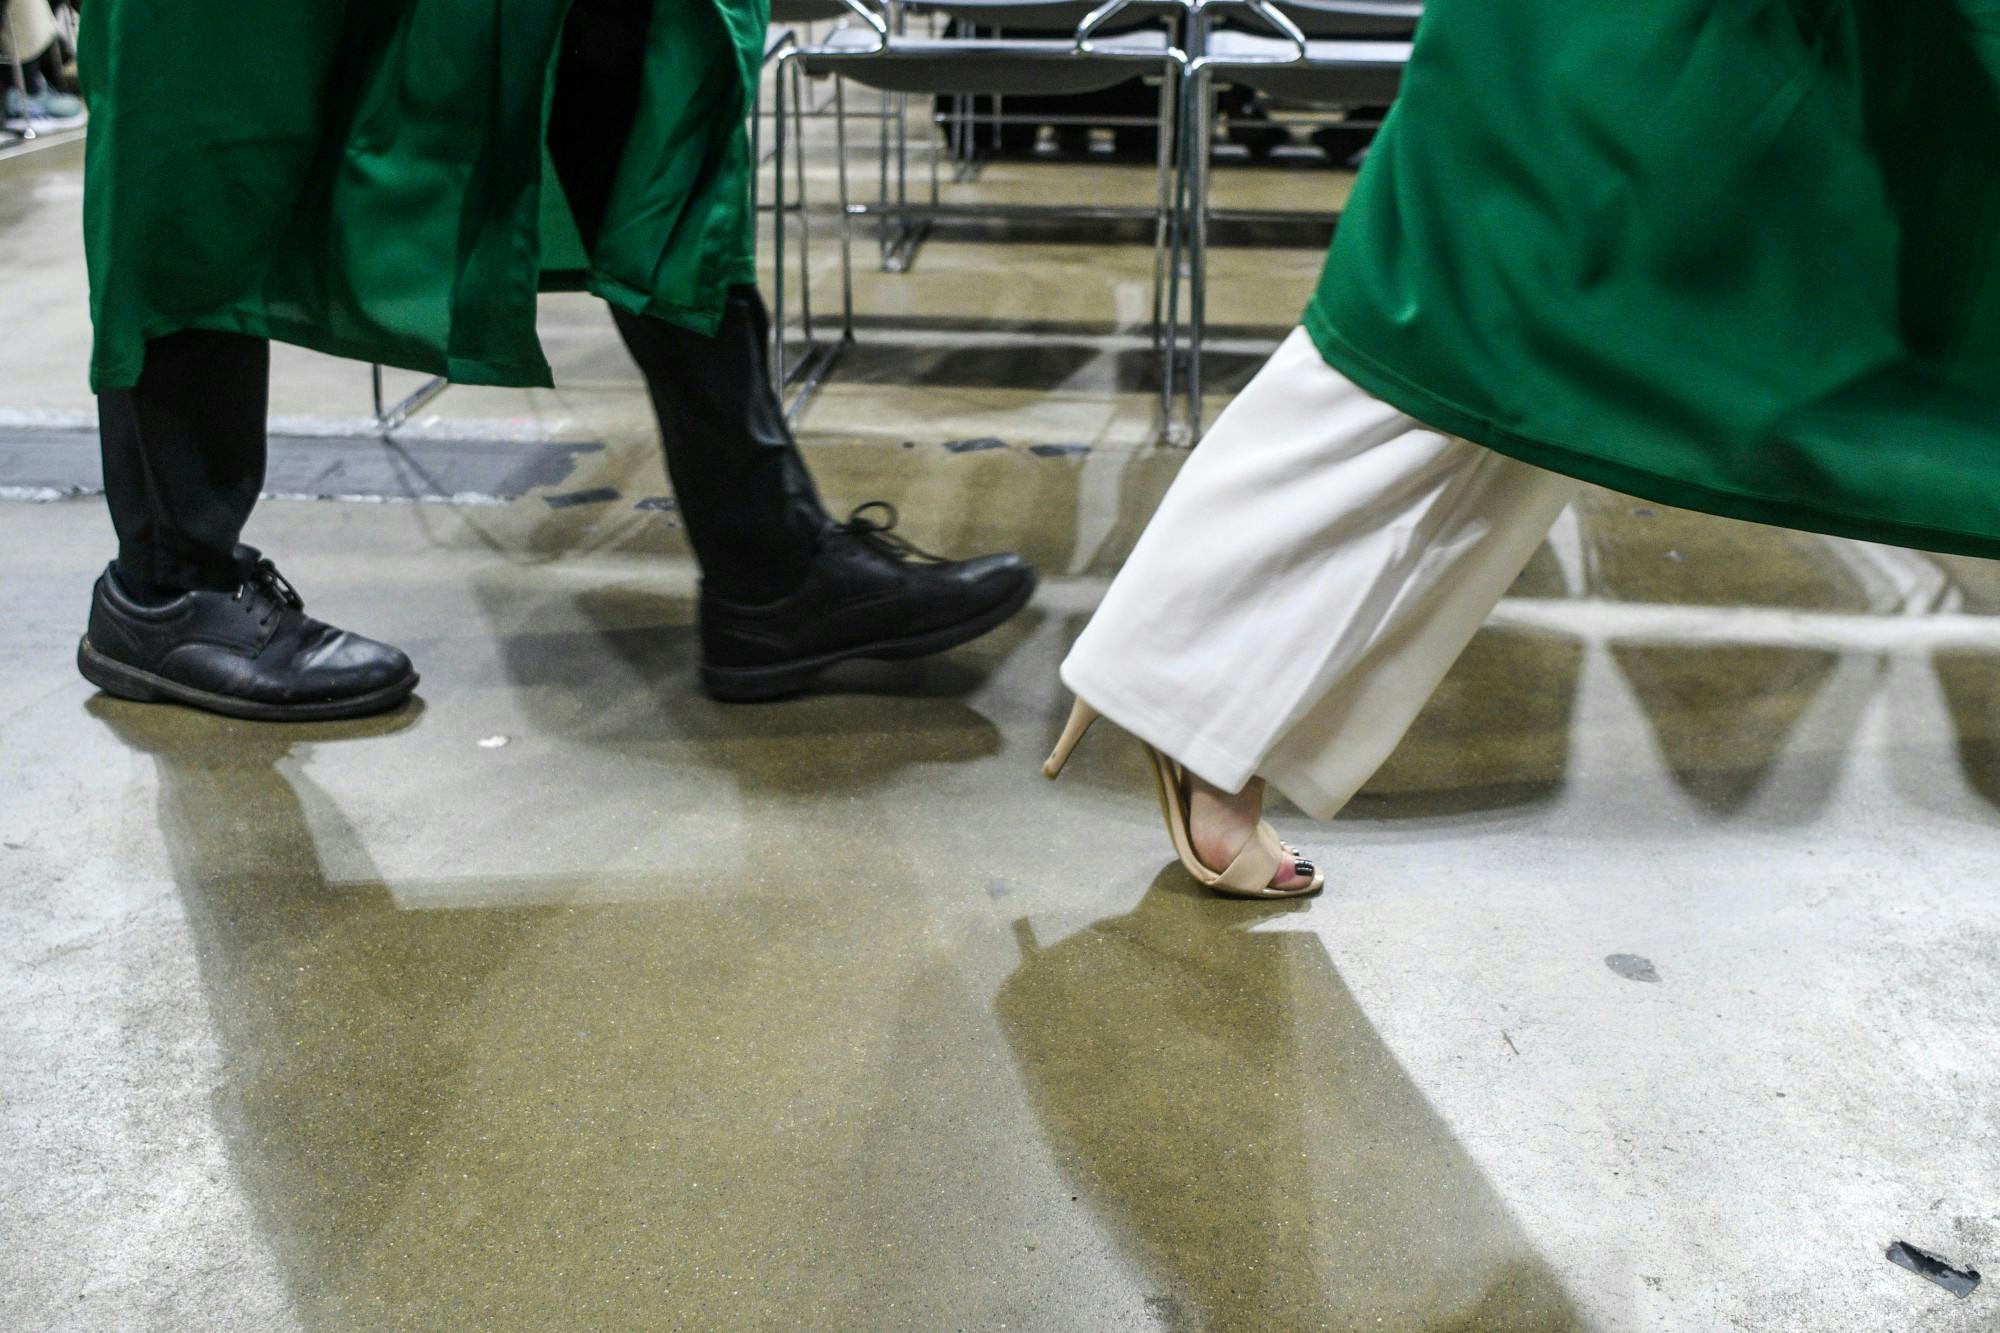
(989, 19)
(1327, 54)
(819, 357)
(873, 55)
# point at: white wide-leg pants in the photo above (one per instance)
(1316, 568)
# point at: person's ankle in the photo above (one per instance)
(1221, 822)
(144, 591)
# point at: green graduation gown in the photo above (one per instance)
(367, 177)
(1732, 255)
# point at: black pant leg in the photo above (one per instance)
(746, 497)
(184, 454)
(752, 513)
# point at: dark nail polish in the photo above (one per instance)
(1304, 869)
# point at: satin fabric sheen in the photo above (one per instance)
(1732, 255)
(367, 178)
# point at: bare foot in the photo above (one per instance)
(1221, 823)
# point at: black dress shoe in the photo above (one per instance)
(870, 594)
(253, 653)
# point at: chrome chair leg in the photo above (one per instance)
(846, 215)
(1163, 165)
(1179, 249)
(1198, 188)
(805, 218)
(778, 232)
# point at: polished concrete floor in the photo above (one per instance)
(1657, 986)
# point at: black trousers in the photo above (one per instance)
(184, 449)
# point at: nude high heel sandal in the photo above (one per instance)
(1255, 866)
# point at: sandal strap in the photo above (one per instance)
(1256, 865)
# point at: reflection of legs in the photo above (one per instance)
(1318, 566)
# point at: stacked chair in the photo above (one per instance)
(1331, 56)
(1111, 44)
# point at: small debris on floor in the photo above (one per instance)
(1632, 967)
(1958, 1281)
(1675, 556)
(493, 742)
(980, 445)
(597, 496)
(663, 503)
(1058, 450)
(1643, 511)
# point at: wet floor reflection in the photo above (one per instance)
(345, 1023)
(615, 667)
(556, 1115)
(757, 1106)
(1043, 362)
(1724, 715)
(1648, 553)
(1971, 685)
(1496, 735)
(1222, 1103)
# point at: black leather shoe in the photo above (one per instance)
(870, 594)
(253, 653)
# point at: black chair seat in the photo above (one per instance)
(926, 65)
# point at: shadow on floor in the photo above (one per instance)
(1970, 682)
(537, 1110)
(1724, 715)
(1222, 1103)
(344, 1023)
(1495, 736)
(1056, 362)
(628, 682)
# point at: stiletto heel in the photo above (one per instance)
(1080, 718)
(1262, 855)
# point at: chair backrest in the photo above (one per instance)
(808, 11)
(1044, 15)
(1342, 20)
(1009, 68)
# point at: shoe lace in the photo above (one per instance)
(265, 593)
(881, 534)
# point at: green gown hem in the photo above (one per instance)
(1586, 465)
(632, 301)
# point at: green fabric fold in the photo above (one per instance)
(369, 179)
(1736, 256)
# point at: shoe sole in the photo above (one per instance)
(129, 682)
(741, 685)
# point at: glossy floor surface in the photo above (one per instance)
(1657, 985)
